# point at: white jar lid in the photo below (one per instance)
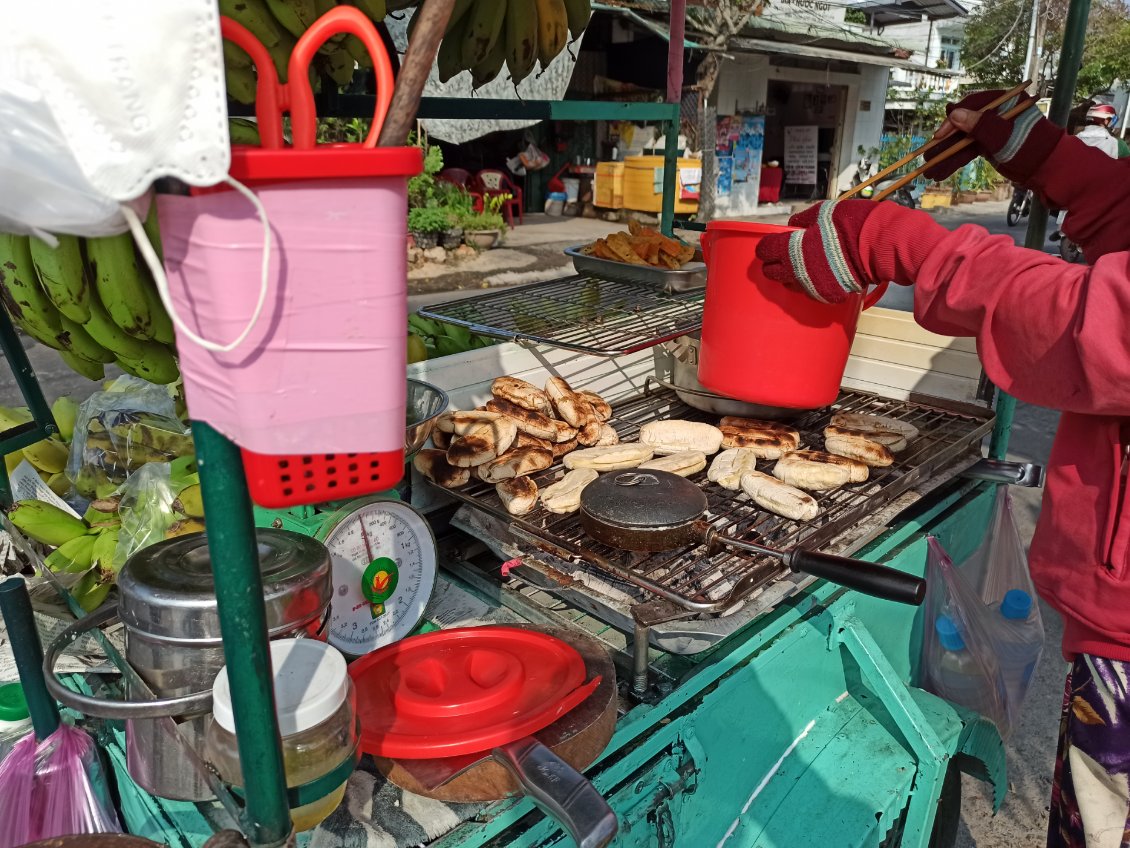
(311, 683)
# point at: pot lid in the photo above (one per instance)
(167, 589)
(464, 690)
(643, 499)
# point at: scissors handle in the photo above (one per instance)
(273, 98)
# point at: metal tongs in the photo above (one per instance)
(931, 144)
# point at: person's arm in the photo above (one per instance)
(1049, 333)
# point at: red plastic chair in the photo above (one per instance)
(466, 181)
(492, 182)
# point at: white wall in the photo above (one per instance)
(743, 87)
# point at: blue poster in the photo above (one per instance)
(725, 174)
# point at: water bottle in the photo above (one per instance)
(15, 721)
(1020, 644)
(960, 677)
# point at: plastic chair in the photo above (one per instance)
(465, 180)
(492, 182)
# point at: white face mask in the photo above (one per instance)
(98, 100)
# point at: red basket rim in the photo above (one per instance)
(326, 161)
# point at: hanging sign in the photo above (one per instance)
(801, 147)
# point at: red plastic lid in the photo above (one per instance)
(748, 227)
(326, 161)
(464, 690)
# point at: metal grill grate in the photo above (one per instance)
(706, 580)
(580, 313)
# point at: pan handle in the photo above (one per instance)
(867, 577)
(560, 791)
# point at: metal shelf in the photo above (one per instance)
(579, 313)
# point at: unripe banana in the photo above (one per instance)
(357, 51)
(323, 6)
(484, 26)
(184, 528)
(102, 519)
(190, 502)
(45, 522)
(235, 56)
(161, 324)
(375, 10)
(521, 39)
(25, 301)
(108, 334)
(280, 54)
(105, 553)
(243, 131)
(12, 461)
(73, 556)
(48, 455)
(490, 67)
(59, 484)
(553, 30)
(157, 365)
(578, 13)
(296, 16)
(63, 276)
(152, 227)
(13, 416)
(254, 15)
(65, 410)
(339, 65)
(88, 368)
(81, 344)
(92, 589)
(240, 84)
(119, 286)
(449, 59)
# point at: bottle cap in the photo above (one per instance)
(948, 634)
(1017, 604)
(13, 705)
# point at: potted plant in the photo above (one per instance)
(426, 224)
(483, 230)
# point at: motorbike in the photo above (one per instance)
(863, 170)
(1019, 206)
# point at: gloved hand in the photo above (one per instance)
(844, 246)
(1017, 147)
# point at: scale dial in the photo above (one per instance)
(384, 572)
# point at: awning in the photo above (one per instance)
(653, 26)
(890, 12)
(765, 45)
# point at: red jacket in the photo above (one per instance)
(1058, 336)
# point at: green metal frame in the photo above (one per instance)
(42, 424)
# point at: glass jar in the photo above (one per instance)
(316, 709)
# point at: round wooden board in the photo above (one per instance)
(578, 737)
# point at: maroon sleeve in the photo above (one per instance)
(1048, 332)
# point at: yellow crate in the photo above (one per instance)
(608, 188)
(933, 200)
(643, 190)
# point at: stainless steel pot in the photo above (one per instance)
(173, 641)
(684, 380)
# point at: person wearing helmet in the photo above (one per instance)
(1097, 132)
(1050, 333)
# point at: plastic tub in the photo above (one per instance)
(555, 203)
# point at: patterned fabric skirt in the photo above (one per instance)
(1090, 805)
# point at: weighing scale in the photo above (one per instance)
(384, 567)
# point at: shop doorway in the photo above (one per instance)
(810, 151)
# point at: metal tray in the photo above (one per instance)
(688, 278)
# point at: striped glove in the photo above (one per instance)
(843, 246)
(1016, 146)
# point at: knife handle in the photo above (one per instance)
(560, 791)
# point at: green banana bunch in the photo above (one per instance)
(375, 10)
(65, 411)
(93, 371)
(102, 514)
(92, 589)
(296, 16)
(105, 551)
(243, 131)
(357, 51)
(62, 274)
(29, 307)
(46, 523)
(241, 84)
(338, 65)
(553, 29)
(490, 66)
(521, 39)
(119, 284)
(483, 28)
(190, 502)
(578, 13)
(256, 17)
(449, 59)
(48, 455)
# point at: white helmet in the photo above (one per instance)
(1102, 112)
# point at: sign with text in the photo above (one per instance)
(801, 148)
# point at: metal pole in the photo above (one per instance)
(675, 45)
(23, 634)
(677, 28)
(1067, 74)
(243, 623)
(1032, 55)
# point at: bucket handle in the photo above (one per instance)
(272, 98)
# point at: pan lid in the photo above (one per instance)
(465, 690)
(643, 499)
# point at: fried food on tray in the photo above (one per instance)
(642, 246)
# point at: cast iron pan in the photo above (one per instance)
(573, 742)
(660, 511)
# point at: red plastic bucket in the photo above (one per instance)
(761, 341)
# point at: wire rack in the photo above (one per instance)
(580, 313)
(709, 580)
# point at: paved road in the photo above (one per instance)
(1031, 751)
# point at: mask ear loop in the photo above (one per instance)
(156, 268)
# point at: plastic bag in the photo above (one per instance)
(959, 655)
(998, 570)
(533, 158)
(54, 788)
(146, 509)
(117, 432)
